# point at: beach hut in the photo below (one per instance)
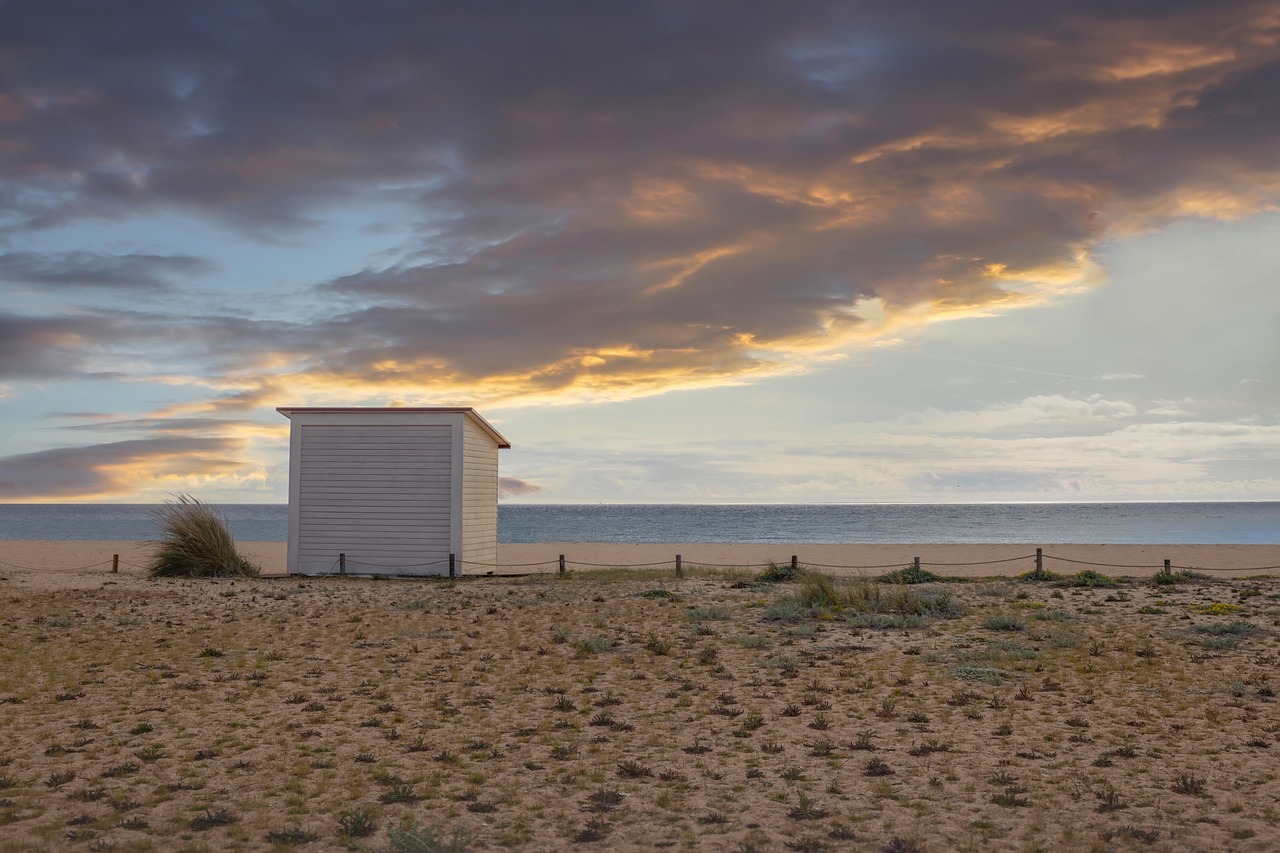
(396, 491)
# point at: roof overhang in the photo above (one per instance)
(472, 414)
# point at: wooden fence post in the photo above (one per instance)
(1039, 563)
(453, 568)
(342, 564)
(115, 564)
(794, 564)
(917, 564)
(679, 567)
(562, 564)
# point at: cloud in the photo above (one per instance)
(113, 468)
(639, 197)
(134, 344)
(511, 487)
(42, 347)
(1041, 409)
(132, 272)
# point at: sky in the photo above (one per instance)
(675, 251)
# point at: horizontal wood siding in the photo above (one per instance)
(379, 494)
(479, 498)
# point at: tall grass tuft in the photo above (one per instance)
(817, 590)
(816, 594)
(196, 543)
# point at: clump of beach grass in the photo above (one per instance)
(911, 575)
(1168, 577)
(776, 573)
(1089, 579)
(196, 542)
(856, 599)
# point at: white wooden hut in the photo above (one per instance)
(392, 491)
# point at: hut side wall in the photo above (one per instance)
(479, 497)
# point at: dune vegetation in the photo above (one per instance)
(196, 542)
(639, 711)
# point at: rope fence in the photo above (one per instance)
(453, 567)
(45, 568)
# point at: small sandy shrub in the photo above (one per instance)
(986, 674)
(412, 838)
(1236, 628)
(887, 621)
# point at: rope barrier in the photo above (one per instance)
(1201, 569)
(59, 568)
(626, 566)
(694, 564)
(983, 562)
(1105, 565)
(833, 566)
(351, 562)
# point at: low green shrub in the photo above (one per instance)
(985, 674)
(706, 614)
(1172, 578)
(775, 573)
(886, 621)
(1090, 579)
(1237, 628)
(911, 575)
(786, 609)
(594, 645)
(412, 838)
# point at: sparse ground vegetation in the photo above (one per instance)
(636, 711)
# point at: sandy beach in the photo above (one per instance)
(60, 562)
(634, 710)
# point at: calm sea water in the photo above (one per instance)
(1039, 523)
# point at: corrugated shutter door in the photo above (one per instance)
(379, 494)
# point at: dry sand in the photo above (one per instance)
(61, 561)
(646, 711)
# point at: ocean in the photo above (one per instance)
(1203, 523)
